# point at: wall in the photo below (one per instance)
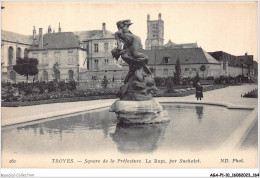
(187, 70)
(235, 71)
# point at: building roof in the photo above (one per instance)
(112, 67)
(232, 59)
(94, 34)
(59, 40)
(185, 55)
(16, 37)
(171, 44)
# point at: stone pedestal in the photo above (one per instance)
(139, 112)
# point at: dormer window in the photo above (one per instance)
(166, 60)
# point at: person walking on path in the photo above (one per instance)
(199, 91)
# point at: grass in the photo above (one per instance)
(162, 93)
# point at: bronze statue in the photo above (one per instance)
(136, 104)
(138, 84)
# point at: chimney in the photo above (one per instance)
(246, 54)
(59, 27)
(160, 16)
(104, 28)
(148, 17)
(40, 45)
(34, 35)
(49, 29)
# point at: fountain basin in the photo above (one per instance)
(139, 112)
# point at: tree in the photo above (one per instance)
(56, 71)
(177, 74)
(26, 67)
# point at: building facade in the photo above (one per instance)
(100, 63)
(13, 45)
(193, 61)
(79, 55)
(63, 50)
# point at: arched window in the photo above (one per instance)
(18, 52)
(71, 75)
(57, 76)
(45, 75)
(165, 71)
(25, 53)
(10, 55)
(13, 76)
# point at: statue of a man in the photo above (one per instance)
(139, 84)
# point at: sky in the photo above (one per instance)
(215, 26)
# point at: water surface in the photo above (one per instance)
(191, 127)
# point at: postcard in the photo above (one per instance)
(130, 85)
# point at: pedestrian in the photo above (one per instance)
(199, 92)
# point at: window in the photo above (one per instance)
(10, 55)
(194, 69)
(96, 48)
(45, 75)
(106, 47)
(96, 64)
(87, 47)
(87, 64)
(13, 76)
(57, 57)
(70, 59)
(187, 69)
(35, 55)
(106, 62)
(71, 78)
(165, 71)
(45, 58)
(18, 52)
(166, 60)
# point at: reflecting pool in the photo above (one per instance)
(191, 127)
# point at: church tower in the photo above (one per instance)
(155, 33)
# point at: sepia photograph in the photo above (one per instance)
(129, 85)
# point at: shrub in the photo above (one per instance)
(72, 85)
(210, 78)
(51, 86)
(63, 86)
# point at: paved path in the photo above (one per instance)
(12, 115)
(231, 94)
